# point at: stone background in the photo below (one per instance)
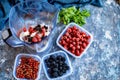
(100, 62)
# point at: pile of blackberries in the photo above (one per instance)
(56, 66)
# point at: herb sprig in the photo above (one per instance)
(72, 14)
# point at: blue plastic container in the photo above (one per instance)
(62, 53)
(17, 62)
(64, 31)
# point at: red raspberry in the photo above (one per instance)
(34, 39)
(43, 29)
(31, 29)
(38, 37)
(24, 29)
(77, 53)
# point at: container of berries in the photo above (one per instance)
(57, 65)
(27, 67)
(75, 40)
(32, 24)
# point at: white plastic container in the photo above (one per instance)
(17, 62)
(64, 31)
(62, 53)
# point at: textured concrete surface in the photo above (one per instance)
(100, 62)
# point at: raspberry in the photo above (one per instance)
(24, 29)
(31, 30)
(34, 39)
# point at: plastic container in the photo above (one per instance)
(64, 31)
(31, 13)
(17, 62)
(62, 53)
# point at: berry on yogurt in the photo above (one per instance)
(34, 34)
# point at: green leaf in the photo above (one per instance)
(72, 14)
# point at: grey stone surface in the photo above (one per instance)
(100, 62)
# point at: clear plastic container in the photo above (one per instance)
(32, 13)
(82, 29)
(17, 62)
(62, 53)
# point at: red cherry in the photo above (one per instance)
(66, 47)
(63, 42)
(81, 49)
(73, 51)
(71, 45)
(73, 38)
(77, 39)
(87, 43)
(74, 27)
(84, 45)
(74, 43)
(67, 40)
(77, 53)
(60, 42)
(66, 34)
(78, 47)
(88, 37)
(73, 48)
(69, 30)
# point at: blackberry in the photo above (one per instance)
(29, 39)
(63, 59)
(48, 64)
(53, 63)
(59, 57)
(56, 66)
(60, 73)
(46, 60)
(37, 28)
(60, 68)
(55, 74)
(49, 71)
(50, 60)
(52, 57)
(46, 27)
